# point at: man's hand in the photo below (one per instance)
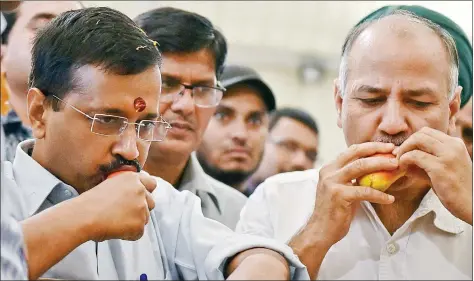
(120, 206)
(337, 199)
(447, 164)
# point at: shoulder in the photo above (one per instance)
(226, 192)
(292, 182)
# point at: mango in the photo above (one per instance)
(116, 174)
(381, 180)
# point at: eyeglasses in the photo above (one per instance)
(292, 147)
(203, 96)
(111, 125)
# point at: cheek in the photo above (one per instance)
(143, 149)
(203, 115)
(358, 126)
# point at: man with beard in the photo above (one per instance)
(232, 146)
(291, 145)
(93, 107)
(397, 94)
(194, 52)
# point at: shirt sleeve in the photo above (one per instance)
(13, 261)
(255, 216)
(199, 248)
(212, 244)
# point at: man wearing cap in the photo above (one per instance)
(397, 94)
(192, 63)
(233, 144)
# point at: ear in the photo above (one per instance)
(37, 112)
(454, 106)
(338, 101)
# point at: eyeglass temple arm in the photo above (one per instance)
(76, 109)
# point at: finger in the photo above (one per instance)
(148, 181)
(362, 150)
(364, 166)
(150, 201)
(437, 134)
(420, 141)
(147, 219)
(361, 193)
(421, 159)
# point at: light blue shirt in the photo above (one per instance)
(178, 242)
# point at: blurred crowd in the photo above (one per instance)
(132, 150)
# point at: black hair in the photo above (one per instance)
(179, 31)
(10, 18)
(296, 114)
(97, 36)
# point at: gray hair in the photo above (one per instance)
(445, 37)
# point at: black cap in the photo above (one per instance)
(236, 74)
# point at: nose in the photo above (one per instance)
(299, 161)
(183, 103)
(393, 120)
(127, 146)
(239, 132)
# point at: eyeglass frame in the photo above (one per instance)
(168, 125)
(283, 144)
(192, 87)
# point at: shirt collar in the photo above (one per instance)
(194, 179)
(443, 219)
(36, 182)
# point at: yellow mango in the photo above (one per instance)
(381, 180)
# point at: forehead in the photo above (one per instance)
(290, 129)
(243, 98)
(30, 9)
(397, 48)
(189, 67)
(101, 90)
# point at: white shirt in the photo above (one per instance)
(432, 244)
(219, 201)
(178, 242)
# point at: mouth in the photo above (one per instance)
(239, 152)
(124, 168)
(181, 125)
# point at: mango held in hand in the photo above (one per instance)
(381, 180)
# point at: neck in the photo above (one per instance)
(19, 104)
(407, 201)
(168, 167)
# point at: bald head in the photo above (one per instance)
(398, 38)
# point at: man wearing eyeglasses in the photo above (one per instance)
(193, 57)
(93, 106)
(291, 145)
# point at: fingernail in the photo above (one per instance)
(391, 198)
(395, 151)
(393, 160)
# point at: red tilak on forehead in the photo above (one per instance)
(139, 104)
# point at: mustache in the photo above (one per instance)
(397, 140)
(119, 162)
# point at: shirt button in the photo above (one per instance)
(67, 193)
(392, 248)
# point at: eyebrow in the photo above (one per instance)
(175, 78)
(419, 92)
(48, 16)
(370, 89)
(407, 92)
(119, 112)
